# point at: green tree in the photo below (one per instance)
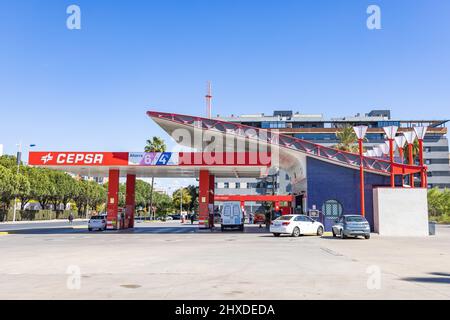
(185, 195)
(143, 190)
(41, 186)
(8, 185)
(439, 202)
(23, 189)
(9, 162)
(347, 140)
(156, 144)
(80, 196)
(193, 191)
(163, 204)
(96, 195)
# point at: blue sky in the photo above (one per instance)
(89, 89)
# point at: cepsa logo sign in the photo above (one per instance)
(78, 158)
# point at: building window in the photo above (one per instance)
(238, 185)
(226, 185)
(427, 149)
(427, 161)
(331, 209)
(273, 124)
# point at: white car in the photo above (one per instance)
(97, 222)
(296, 225)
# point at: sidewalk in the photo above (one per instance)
(41, 221)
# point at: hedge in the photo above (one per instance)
(35, 215)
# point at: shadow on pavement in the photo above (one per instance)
(347, 239)
(440, 277)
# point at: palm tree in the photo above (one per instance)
(347, 140)
(156, 144)
(415, 151)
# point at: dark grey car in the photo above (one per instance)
(351, 226)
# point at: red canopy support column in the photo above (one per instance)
(411, 162)
(113, 199)
(212, 183)
(423, 172)
(130, 200)
(206, 197)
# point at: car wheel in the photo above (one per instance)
(296, 232)
(320, 231)
(222, 228)
(334, 234)
(343, 236)
(90, 229)
(276, 234)
(367, 236)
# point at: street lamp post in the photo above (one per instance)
(181, 205)
(19, 160)
(360, 132)
(410, 136)
(420, 132)
(390, 132)
(401, 141)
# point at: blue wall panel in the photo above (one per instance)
(327, 181)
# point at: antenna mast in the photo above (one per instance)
(208, 99)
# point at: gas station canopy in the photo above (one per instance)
(160, 164)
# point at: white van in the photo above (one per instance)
(232, 216)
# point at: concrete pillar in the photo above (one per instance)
(113, 199)
(130, 200)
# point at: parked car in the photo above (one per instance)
(351, 226)
(232, 216)
(176, 216)
(97, 222)
(296, 225)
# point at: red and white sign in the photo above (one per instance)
(114, 159)
(78, 158)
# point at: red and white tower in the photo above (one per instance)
(208, 99)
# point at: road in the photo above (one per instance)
(170, 261)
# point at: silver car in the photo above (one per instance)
(351, 226)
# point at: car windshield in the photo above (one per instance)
(355, 219)
(285, 218)
(97, 218)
